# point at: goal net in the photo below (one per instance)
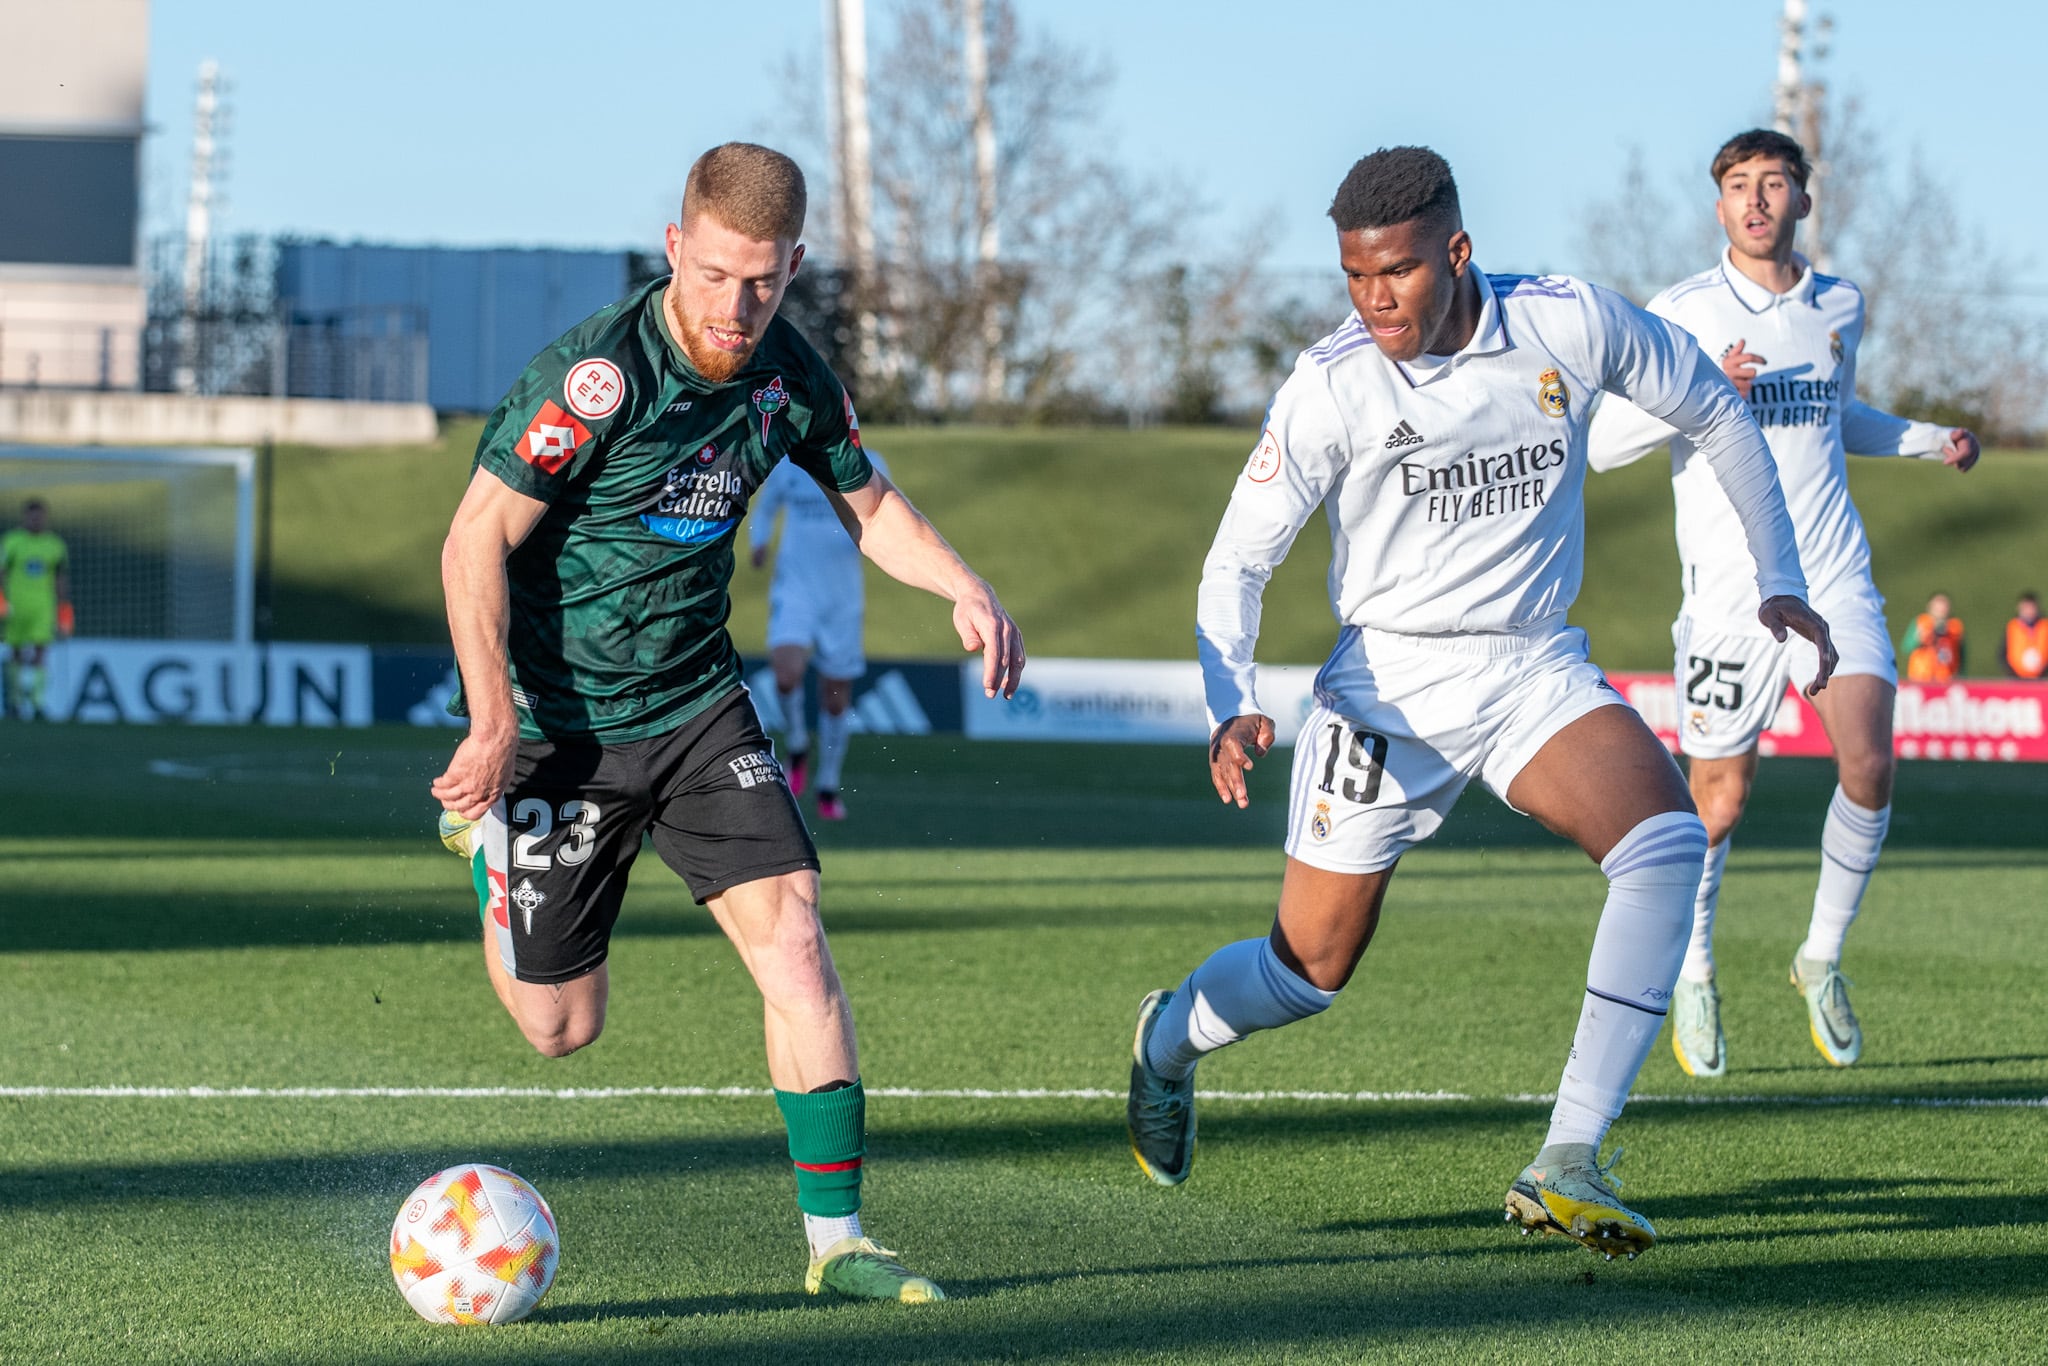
(161, 542)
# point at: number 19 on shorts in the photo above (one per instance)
(1354, 763)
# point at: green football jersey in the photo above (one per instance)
(620, 595)
(29, 562)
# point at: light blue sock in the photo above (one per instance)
(1239, 989)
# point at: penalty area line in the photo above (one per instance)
(967, 1093)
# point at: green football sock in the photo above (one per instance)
(827, 1138)
(480, 878)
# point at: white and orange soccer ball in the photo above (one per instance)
(474, 1244)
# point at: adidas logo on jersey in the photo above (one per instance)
(1404, 435)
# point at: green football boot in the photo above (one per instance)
(859, 1269)
(459, 834)
(1696, 1037)
(1161, 1112)
(1828, 1016)
(1566, 1190)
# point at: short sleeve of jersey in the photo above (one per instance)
(830, 450)
(1646, 359)
(539, 440)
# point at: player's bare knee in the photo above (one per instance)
(1867, 778)
(786, 946)
(560, 1036)
(1326, 965)
(1721, 811)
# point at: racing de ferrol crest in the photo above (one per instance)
(769, 401)
(1552, 394)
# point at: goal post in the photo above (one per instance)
(161, 541)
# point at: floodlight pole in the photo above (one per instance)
(198, 225)
(1797, 107)
(987, 239)
(853, 155)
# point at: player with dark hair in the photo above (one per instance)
(1443, 430)
(1800, 385)
(587, 575)
(35, 569)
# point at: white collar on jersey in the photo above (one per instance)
(1755, 297)
(1490, 336)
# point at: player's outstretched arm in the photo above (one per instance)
(1872, 431)
(1236, 743)
(489, 522)
(910, 550)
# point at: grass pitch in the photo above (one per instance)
(264, 909)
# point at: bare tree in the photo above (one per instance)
(1642, 238)
(1071, 223)
(1943, 339)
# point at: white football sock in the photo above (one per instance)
(794, 732)
(821, 1233)
(1849, 845)
(832, 732)
(1652, 876)
(1699, 954)
(1239, 989)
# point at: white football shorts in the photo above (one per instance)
(1402, 723)
(1731, 677)
(829, 625)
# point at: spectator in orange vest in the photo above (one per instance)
(1933, 644)
(2026, 640)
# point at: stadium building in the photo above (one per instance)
(72, 301)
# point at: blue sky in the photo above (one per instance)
(572, 124)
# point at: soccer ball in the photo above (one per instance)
(474, 1244)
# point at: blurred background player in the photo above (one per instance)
(588, 575)
(816, 605)
(1933, 645)
(36, 572)
(1731, 674)
(1444, 425)
(2026, 639)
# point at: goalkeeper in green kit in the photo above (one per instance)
(35, 569)
(587, 576)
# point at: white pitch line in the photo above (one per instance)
(957, 1093)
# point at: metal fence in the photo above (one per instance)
(56, 354)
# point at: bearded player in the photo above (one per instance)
(587, 576)
(1443, 431)
(1787, 336)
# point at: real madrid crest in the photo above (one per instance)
(1552, 394)
(1835, 346)
(1319, 824)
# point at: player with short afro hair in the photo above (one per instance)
(1396, 185)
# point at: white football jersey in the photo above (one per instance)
(816, 556)
(1454, 485)
(1804, 398)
